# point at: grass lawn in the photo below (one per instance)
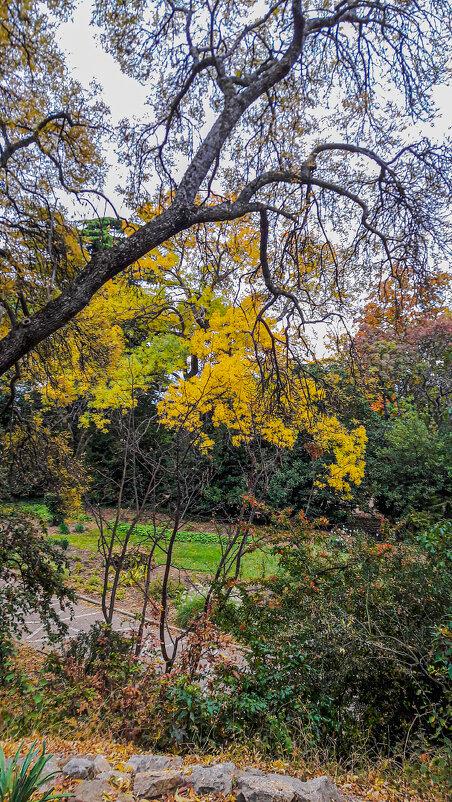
(202, 557)
(194, 551)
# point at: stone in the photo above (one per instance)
(100, 764)
(215, 779)
(152, 784)
(258, 787)
(91, 790)
(252, 787)
(321, 789)
(139, 763)
(78, 768)
(116, 777)
(51, 767)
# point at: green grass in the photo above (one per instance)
(195, 551)
(202, 557)
(35, 507)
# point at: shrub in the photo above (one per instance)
(56, 507)
(79, 527)
(62, 542)
(190, 606)
(31, 575)
(101, 652)
(344, 643)
(21, 783)
(64, 529)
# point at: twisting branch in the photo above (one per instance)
(11, 148)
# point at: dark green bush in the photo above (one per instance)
(56, 508)
(348, 643)
(31, 575)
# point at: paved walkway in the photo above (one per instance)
(84, 614)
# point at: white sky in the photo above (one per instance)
(126, 97)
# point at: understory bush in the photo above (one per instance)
(32, 574)
(348, 650)
(350, 641)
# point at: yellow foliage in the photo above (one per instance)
(229, 389)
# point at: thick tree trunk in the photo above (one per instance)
(103, 267)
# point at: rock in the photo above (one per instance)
(78, 768)
(51, 767)
(91, 790)
(257, 787)
(211, 779)
(252, 787)
(139, 763)
(116, 777)
(100, 764)
(152, 784)
(321, 789)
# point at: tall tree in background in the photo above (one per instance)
(271, 110)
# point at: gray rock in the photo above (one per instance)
(321, 789)
(91, 790)
(211, 779)
(100, 764)
(118, 777)
(253, 787)
(152, 784)
(139, 763)
(78, 768)
(52, 767)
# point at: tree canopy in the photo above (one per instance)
(290, 116)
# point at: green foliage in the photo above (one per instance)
(97, 233)
(437, 541)
(36, 508)
(189, 607)
(79, 527)
(21, 783)
(347, 642)
(56, 508)
(63, 542)
(102, 653)
(411, 468)
(146, 532)
(63, 528)
(32, 573)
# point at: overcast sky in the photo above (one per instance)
(126, 97)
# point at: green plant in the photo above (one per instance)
(56, 506)
(64, 529)
(79, 527)
(21, 783)
(348, 641)
(188, 608)
(101, 653)
(32, 573)
(63, 542)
